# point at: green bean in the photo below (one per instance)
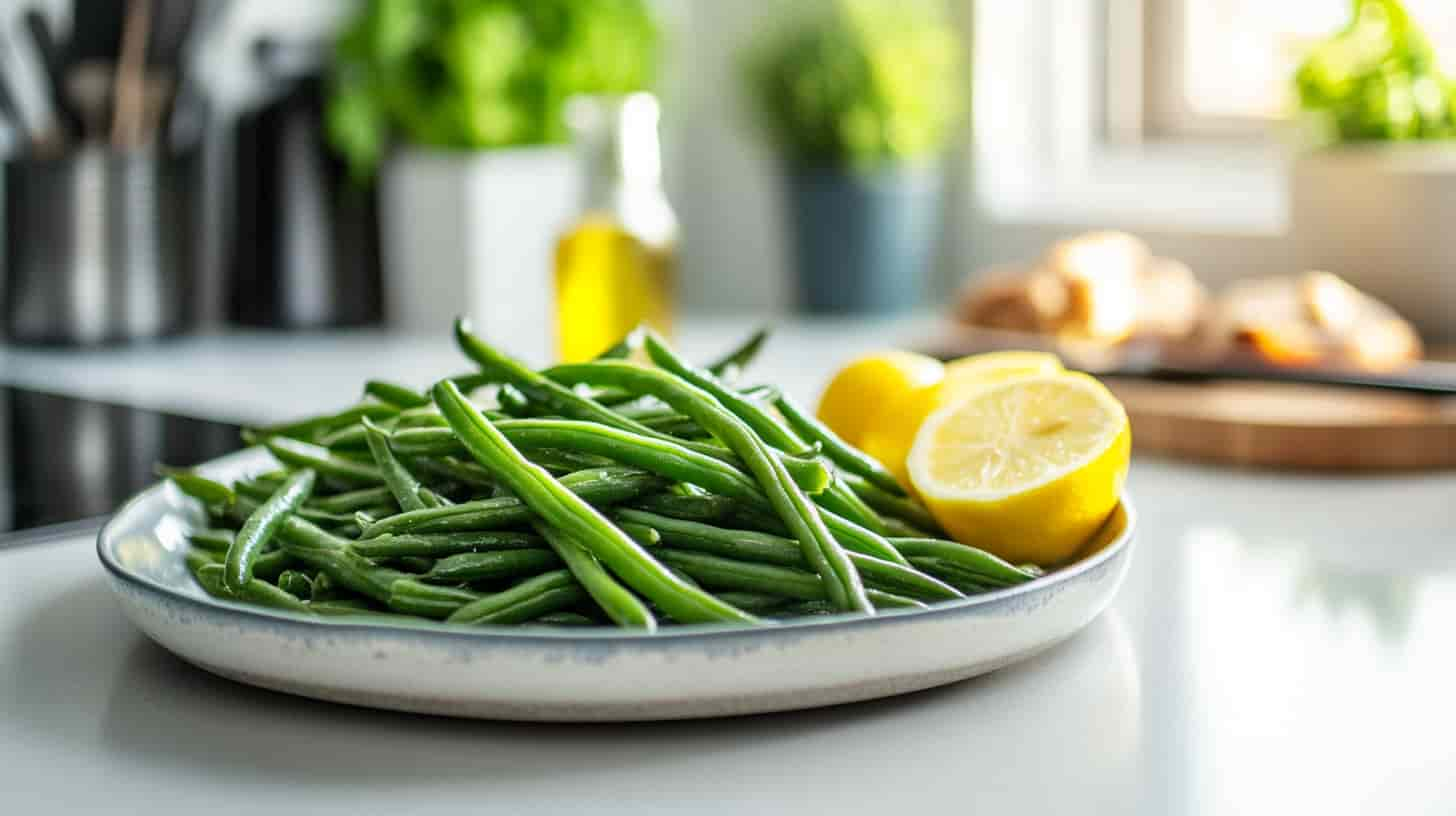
(351, 608)
(889, 600)
(804, 609)
(837, 497)
(711, 508)
(197, 559)
(260, 527)
(881, 600)
(247, 489)
(601, 486)
(853, 536)
(352, 500)
(472, 381)
(441, 545)
(348, 439)
(646, 410)
(676, 426)
(296, 583)
(895, 506)
(563, 460)
(756, 516)
(739, 357)
(544, 603)
(747, 545)
(768, 427)
(350, 571)
(272, 564)
(846, 456)
(428, 600)
(305, 542)
(406, 488)
(303, 455)
(198, 487)
(324, 588)
(641, 533)
(309, 429)
(448, 467)
(567, 402)
(570, 515)
(725, 573)
(482, 609)
(411, 563)
(513, 403)
(564, 619)
(755, 602)
(624, 608)
(898, 528)
(423, 417)
(535, 386)
(740, 545)
(791, 505)
(842, 501)
(400, 396)
(964, 556)
(213, 540)
(466, 567)
(261, 593)
(964, 580)
(668, 459)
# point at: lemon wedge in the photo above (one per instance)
(854, 401)
(889, 440)
(1028, 468)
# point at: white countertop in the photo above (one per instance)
(1283, 644)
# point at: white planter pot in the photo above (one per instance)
(1383, 218)
(474, 234)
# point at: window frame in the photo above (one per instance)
(1052, 154)
(1166, 114)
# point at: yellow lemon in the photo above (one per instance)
(890, 439)
(853, 401)
(1027, 469)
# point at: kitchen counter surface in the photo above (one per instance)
(1282, 645)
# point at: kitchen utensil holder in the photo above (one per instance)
(96, 246)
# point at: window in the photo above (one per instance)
(1219, 68)
(1147, 114)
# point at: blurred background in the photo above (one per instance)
(185, 165)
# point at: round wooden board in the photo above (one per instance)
(1290, 426)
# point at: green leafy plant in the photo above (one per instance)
(473, 74)
(1376, 80)
(861, 83)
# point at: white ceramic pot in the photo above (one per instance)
(1384, 218)
(474, 233)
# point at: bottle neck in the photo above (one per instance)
(617, 140)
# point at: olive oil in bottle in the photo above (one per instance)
(615, 266)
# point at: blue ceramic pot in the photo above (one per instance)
(862, 241)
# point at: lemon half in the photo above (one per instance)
(889, 440)
(1027, 469)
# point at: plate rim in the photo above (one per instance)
(606, 636)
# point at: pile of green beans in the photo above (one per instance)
(614, 492)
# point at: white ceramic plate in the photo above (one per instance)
(542, 673)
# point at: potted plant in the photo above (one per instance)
(860, 98)
(458, 106)
(1374, 200)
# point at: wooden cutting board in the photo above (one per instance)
(1290, 426)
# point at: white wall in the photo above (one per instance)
(721, 178)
